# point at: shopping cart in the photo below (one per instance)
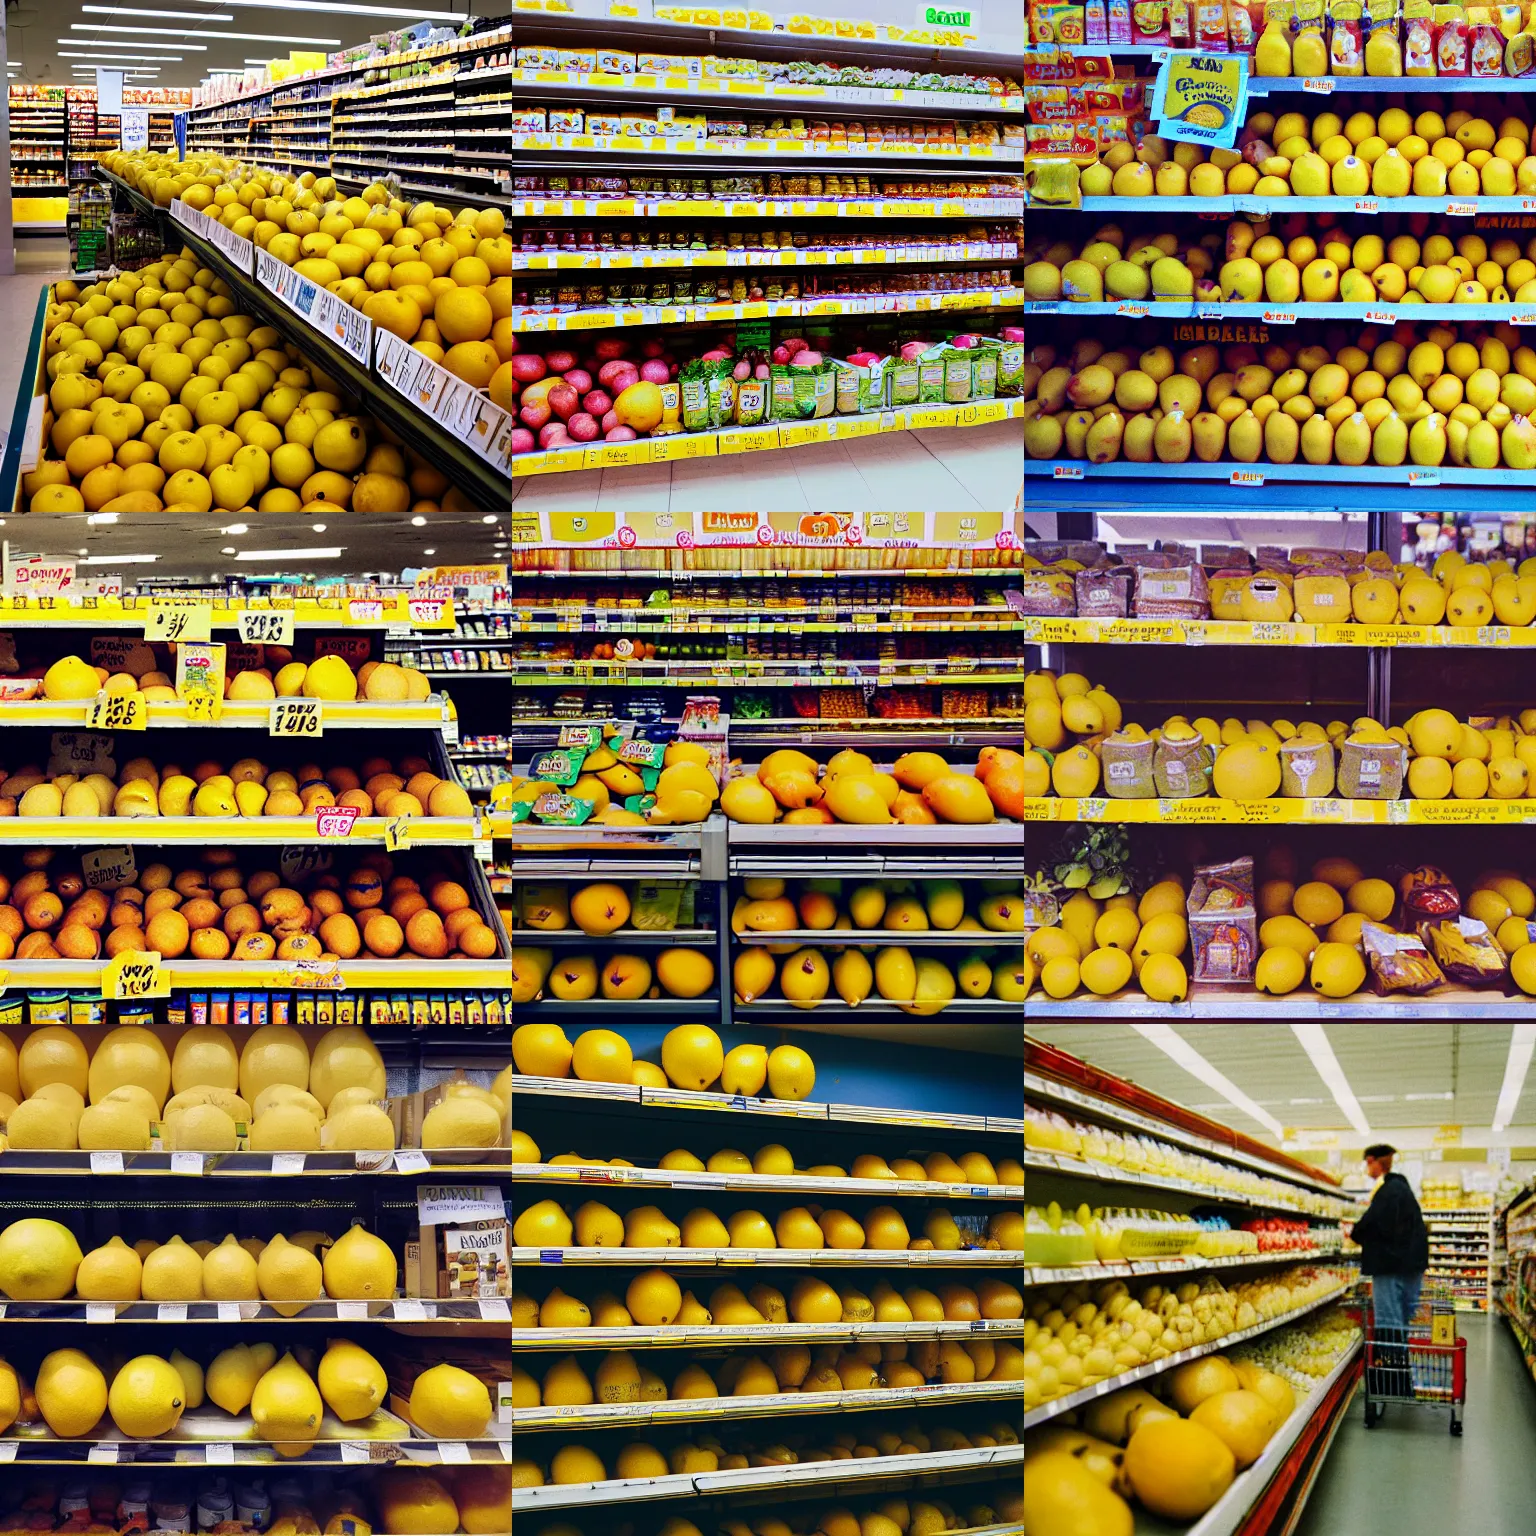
(1407, 1366)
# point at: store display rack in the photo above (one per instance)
(1461, 1253)
(442, 433)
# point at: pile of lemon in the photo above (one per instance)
(438, 279)
(163, 397)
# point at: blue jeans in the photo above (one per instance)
(1396, 1299)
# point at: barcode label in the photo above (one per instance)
(337, 321)
(449, 401)
(240, 251)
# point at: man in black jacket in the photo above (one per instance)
(1394, 1244)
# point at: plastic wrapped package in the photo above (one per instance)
(1127, 762)
(1049, 595)
(1425, 894)
(1223, 925)
(1103, 594)
(1468, 954)
(1306, 769)
(1176, 592)
(1400, 964)
(1371, 770)
(1181, 768)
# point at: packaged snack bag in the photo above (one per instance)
(1346, 50)
(1400, 964)
(1485, 44)
(1149, 23)
(1245, 21)
(1119, 21)
(1451, 55)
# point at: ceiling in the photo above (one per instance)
(34, 31)
(194, 548)
(1401, 1074)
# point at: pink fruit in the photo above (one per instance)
(515, 347)
(558, 362)
(610, 420)
(582, 427)
(619, 435)
(655, 371)
(761, 371)
(715, 355)
(963, 343)
(806, 359)
(611, 347)
(742, 370)
(863, 359)
(534, 414)
(579, 380)
(596, 403)
(912, 350)
(794, 344)
(553, 435)
(523, 441)
(527, 366)
(1013, 333)
(563, 401)
(781, 355)
(621, 378)
(653, 348)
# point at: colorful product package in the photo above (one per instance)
(902, 382)
(1119, 22)
(1149, 23)
(1309, 49)
(1485, 44)
(1346, 50)
(859, 386)
(803, 394)
(1223, 923)
(1211, 26)
(1383, 46)
(1448, 23)
(751, 402)
(1180, 23)
(1096, 22)
(1245, 21)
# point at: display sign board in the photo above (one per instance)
(1202, 98)
(761, 530)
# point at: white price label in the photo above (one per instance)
(171, 1312)
(189, 218)
(1320, 85)
(354, 1453)
(100, 1312)
(8, 1449)
(409, 1310)
(237, 248)
(453, 1452)
(186, 1162)
(219, 1453)
(494, 1310)
(106, 1162)
(266, 626)
(229, 1312)
(352, 1311)
(337, 321)
(449, 401)
(287, 1162)
(441, 1205)
(104, 1453)
(408, 1160)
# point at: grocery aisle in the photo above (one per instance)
(1407, 1473)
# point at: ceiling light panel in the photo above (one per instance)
(247, 37)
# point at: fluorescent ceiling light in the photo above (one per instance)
(1173, 1045)
(346, 10)
(1420, 1098)
(226, 71)
(96, 519)
(318, 552)
(1522, 1040)
(1313, 1039)
(246, 37)
(135, 42)
(128, 10)
(120, 560)
(145, 58)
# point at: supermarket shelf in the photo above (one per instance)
(235, 715)
(1451, 1004)
(381, 611)
(1210, 810)
(46, 1450)
(884, 256)
(403, 1310)
(467, 975)
(1231, 1512)
(770, 1258)
(404, 1163)
(525, 320)
(771, 1333)
(1264, 206)
(773, 208)
(732, 440)
(736, 621)
(928, 1466)
(874, 938)
(780, 1183)
(627, 938)
(1089, 1274)
(618, 674)
(1262, 471)
(640, 1009)
(797, 1109)
(1045, 1090)
(1450, 85)
(571, 84)
(668, 577)
(1106, 1173)
(956, 1008)
(477, 476)
(1378, 312)
(774, 1405)
(1072, 1400)
(1041, 631)
(800, 152)
(95, 831)
(1003, 837)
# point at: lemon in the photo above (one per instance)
(231, 1378)
(1337, 970)
(1116, 929)
(353, 1383)
(1165, 934)
(112, 1272)
(289, 1276)
(191, 1374)
(229, 1273)
(275, 1053)
(360, 1267)
(1104, 971)
(1318, 904)
(1165, 896)
(71, 1392)
(692, 1056)
(1522, 968)
(453, 1405)
(653, 1298)
(1246, 770)
(1059, 977)
(1163, 979)
(286, 1407)
(38, 1260)
(1374, 899)
(205, 1057)
(147, 1397)
(1280, 970)
(791, 1073)
(345, 1057)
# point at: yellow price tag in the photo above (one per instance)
(178, 621)
(204, 706)
(117, 712)
(136, 973)
(397, 834)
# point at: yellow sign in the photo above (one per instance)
(136, 973)
(178, 621)
(117, 712)
(1202, 97)
(1447, 1136)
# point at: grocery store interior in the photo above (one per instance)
(766, 836)
(793, 242)
(235, 280)
(1277, 919)
(254, 1077)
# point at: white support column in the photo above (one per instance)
(7, 235)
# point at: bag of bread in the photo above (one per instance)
(1400, 964)
(1469, 955)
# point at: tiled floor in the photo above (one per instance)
(37, 262)
(1408, 1477)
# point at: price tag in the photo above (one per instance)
(187, 1162)
(353, 1453)
(1380, 317)
(409, 1310)
(363, 610)
(336, 320)
(453, 404)
(494, 1310)
(132, 974)
(408, 1160)
(296, 717)
(265, 626)
(179, 621)
(8, 1449)
(229, 1312)
(171, 1312)
(429, 612)
(1136, 311)
(335, 820)
(1423, 477)
(287, 1162)
(103, 1452)
(1320, 85)
(1067, 472)
(100, 1311)
(237, 248)
(352, 1311)
(117, 712)
(397, 834)
(1279, 317)
(1246, 477)
(108, 869)
(219, 1453)
(453, 1452)
(1461, 210)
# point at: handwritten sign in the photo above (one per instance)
(335, 820)
(265, 626)
(136, 973)
(178, 621)
(108, 869)
(117, 712)
(296, 717)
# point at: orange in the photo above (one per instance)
(477, 940)
(42, 910)
(449, 896)
(256, 946)
(339, 934)
(425, 936)
(210, 944)
(201, 912)
(169, 933)
(77, 942)
(382, 934)
(125, 938)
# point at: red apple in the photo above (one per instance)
(611, 347)
(563, 401)
(596, 402)
(653, 348)
(535, 414)
(558, 362)
(523, 441)
(610, 420)
(621, 378)
(655, 371)
(527, 367)
(553, 435)
(579, 380)
(619, 435)
(781, 355)
(582, 427)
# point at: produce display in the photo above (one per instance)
(815, 193)
(437, 278)
(1116, 1235)
(164, 397)
(1176, 1453)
